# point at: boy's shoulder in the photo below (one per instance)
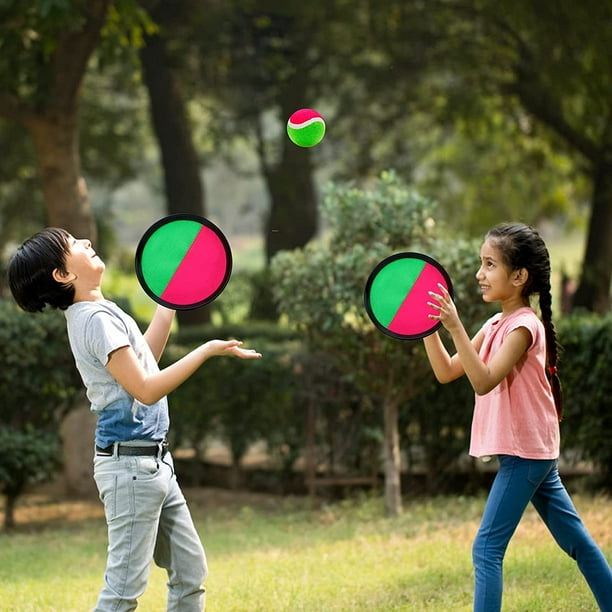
(85, 310)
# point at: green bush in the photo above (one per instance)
(38, 378)
(243, 402)
(26, 457)
(237, 401)
(38, 384)
(585, 369)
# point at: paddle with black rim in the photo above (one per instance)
(397, 292)
(183, 261)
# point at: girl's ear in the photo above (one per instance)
(62, 277)
(520, 277)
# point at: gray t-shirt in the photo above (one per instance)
(95, 330)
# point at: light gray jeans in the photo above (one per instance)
(148, 519)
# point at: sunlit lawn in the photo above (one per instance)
(285, 555)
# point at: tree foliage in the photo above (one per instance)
(548, 61)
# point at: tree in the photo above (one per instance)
(171, 124)
(320, 290)
(552, 61)
(44, 51)
(258, 66)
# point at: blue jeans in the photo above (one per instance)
(518, 482)
(148, 519)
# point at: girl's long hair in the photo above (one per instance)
(522, 247)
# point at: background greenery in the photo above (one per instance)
(496, 110)
(323, 358)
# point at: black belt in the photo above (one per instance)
(135, 451)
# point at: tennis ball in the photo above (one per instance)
(306, 127)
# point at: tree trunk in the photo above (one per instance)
(593, 292)
(51, 116)
(235, 474)
(292, 220)
(56, 141)
(183, 183)
(393, 487)
(10, 501)
(78, 434)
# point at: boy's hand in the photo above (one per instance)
(231, 347)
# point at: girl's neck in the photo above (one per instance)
(513, 304)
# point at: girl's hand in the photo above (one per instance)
(447, 312)
(231, 347)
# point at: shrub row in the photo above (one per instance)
(241, 402)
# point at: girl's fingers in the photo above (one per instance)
(444, 290)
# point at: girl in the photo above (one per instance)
(512, 365)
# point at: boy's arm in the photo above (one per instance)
(158, 332)
(148, 389)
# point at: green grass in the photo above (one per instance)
(286, 555)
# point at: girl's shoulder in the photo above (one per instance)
(523, 317)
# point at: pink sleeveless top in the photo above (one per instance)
(518, 417)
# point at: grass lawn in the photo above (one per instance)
(273, 554)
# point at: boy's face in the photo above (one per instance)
(82, 261)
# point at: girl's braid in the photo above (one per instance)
(523, 247)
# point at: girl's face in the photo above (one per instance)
(494, 276)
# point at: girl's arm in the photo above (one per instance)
(158, 332)
(150, 388)
(482, 376)
(446, 368)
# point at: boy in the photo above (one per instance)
(146, 512)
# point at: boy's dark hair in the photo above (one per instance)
(30, 271)
(521, 246)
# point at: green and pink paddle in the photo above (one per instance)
(183, 261)
(396, 295)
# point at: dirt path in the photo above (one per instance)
(46, 505)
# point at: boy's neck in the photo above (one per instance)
(91, 295)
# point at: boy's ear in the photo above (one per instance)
(61, 277)
(520, 277)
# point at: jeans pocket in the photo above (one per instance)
(116, 493)
(148, 467)
(538, 470)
